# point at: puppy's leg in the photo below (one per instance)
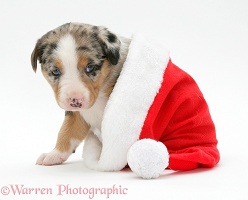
(92, 151)
(74, 129)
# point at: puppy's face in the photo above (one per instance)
(77, 60)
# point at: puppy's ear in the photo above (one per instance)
(35, 56)
(111, 46)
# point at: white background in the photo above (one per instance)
(208, 39)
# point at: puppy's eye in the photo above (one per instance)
(89, 69)
(56, 72)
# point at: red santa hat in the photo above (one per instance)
(156, 117)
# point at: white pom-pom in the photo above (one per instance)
(148, 158)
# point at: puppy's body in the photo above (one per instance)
(81, 63)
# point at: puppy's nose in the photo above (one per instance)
(76, 103)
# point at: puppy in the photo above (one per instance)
(82, 63)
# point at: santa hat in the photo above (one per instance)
(156, 117)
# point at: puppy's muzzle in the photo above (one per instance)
(76, 103)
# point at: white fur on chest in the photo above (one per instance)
(94, 115)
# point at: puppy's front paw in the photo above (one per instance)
(54, 157)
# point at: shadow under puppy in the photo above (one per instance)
(133, 104)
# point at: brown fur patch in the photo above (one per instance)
(103, 77)
(58, 64)
(82, 62)
(101, 81)
(73, 127)
(54, 85)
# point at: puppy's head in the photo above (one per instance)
(77, 60)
